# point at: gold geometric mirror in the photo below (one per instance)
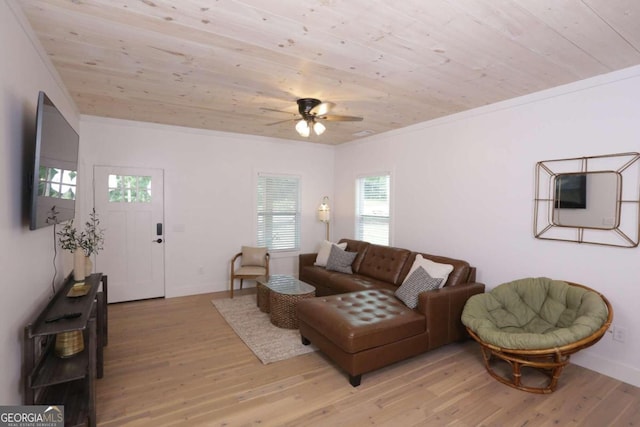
(589, 200)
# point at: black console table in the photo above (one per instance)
(52, 380)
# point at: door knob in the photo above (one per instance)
(157, 240)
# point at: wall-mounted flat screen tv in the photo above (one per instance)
(571, 191)
(55, 164)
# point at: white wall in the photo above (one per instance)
(25, 256)
(209, 191)
(463, 186)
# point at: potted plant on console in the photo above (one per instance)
(82, 244)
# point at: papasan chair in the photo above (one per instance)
(537, 323)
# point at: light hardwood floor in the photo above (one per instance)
(177, 362)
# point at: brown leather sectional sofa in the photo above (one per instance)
(357, 321)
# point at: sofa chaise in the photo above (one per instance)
(358, 321)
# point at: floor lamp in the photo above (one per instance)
(324, 213)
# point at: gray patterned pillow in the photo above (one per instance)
(419, 281)
(340, 260)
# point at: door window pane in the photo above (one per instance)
(129, 189)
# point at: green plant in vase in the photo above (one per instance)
(93, 240)
(82, 244)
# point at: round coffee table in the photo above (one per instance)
(278, 295)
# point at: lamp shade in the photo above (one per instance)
(324, 212)
(319, 128)
(303, 128)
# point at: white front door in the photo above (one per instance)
(129, 204)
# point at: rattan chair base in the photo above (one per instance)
(550, 364)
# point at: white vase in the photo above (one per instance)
(78, 266)
(88, 266)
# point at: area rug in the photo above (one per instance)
(268, 342)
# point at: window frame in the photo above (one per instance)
(298, 213)
(357, 216)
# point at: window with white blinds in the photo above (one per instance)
(278, 205)
(372, 209)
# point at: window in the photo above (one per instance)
(278, 212)
(129, 189)
(372, 209)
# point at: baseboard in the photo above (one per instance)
(202, 289)
(189, 290)
(619, 371)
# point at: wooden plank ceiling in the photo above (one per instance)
(219, 65)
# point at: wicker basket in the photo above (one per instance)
(69, 343)
(283, 309)
(263, 297)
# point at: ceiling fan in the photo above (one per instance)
(312, 113)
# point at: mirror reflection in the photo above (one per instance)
(587, 199)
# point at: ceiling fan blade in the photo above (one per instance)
(335, 118)
(281, 121)
(322, 108)
(277, 111)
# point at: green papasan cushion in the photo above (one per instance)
(534, 313)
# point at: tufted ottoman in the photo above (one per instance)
(362, 331)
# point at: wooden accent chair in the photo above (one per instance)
(535, 323)
(254, 262)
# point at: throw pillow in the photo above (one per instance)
(435, 269)
(340, 260)
(416, 282)
(325, 249)
(253, 256)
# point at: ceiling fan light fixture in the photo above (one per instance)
(302, 127)
(319, 128)
(312, 111)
